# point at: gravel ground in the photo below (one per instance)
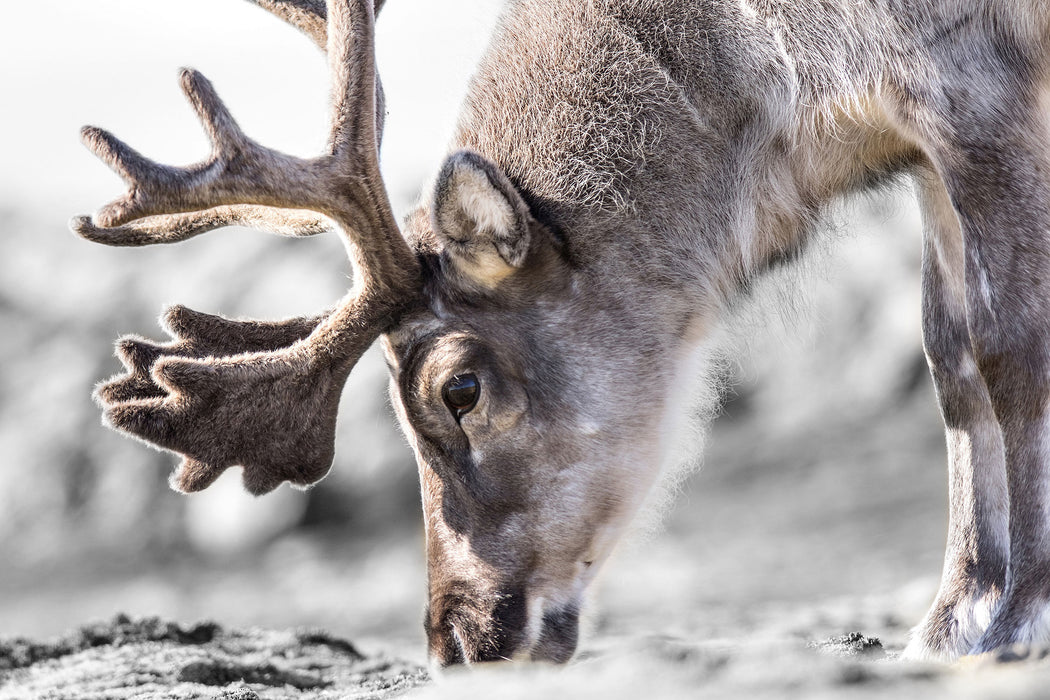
(152, 658)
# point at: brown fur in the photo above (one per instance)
(263, 396)
(622, 171)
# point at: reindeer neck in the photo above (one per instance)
(681, 154)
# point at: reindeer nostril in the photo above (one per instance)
(559, 635)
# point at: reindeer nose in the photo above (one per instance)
(558, 636)
(465, 628)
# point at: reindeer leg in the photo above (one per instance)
(1008, 298)
(993, 152)
(977, 554)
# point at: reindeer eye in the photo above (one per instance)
(461, 393)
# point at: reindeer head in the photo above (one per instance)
(531, 459)
(516, 397)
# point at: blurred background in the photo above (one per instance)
(823, 479)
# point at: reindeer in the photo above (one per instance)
(623, 170)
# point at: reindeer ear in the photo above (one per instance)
(480, 218)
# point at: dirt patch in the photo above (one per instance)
(150, 657)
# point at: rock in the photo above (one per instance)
(150, 657)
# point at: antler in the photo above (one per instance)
(310, 17)
(260, 395)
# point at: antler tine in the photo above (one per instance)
(311, 18)
(239, 170)
(195, 335)
(351, 61)
(308, 16)
(172, 228)
(227, 139)
(379, 253)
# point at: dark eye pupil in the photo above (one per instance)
(461, 393)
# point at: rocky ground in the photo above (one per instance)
(151, 658)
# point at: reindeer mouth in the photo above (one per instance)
(465, 626)
(462, 634)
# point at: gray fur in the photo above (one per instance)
(655, 157)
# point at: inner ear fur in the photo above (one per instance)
(481, 219)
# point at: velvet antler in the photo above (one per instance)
(260, 395)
